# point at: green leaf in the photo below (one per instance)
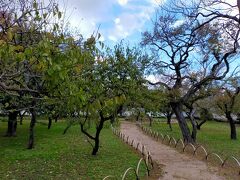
(50, 72)
(61, 76)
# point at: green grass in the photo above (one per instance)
(58, 156)
(215, 136)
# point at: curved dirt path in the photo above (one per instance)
(174, 164)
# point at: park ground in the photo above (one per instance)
(215, 136)
(58, 156)
(174, 164)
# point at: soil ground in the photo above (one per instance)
(174, 164)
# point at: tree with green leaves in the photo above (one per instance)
(22, 35)
(37, 57)
(97, 93)
(118, 75)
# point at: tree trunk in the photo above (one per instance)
(49, 122)
(21, 120)
(200, 124)
(138, 116)
(12, 124)
(194, 124)
(97, 136)
(169, 117)
(66, 129)
(21, 117)
(238, 118)
(112, 120)
(31, 129)
(121, 111)
(233, 134)
(194, 130)
(177, 109)
(96, 146)
(56, 117)
(150, 120)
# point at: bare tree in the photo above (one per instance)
(189, 50)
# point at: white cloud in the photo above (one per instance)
(152, 78)
(122, 2)
(157, 2)
(112, 38)
(86, 15)
(178, 23)
(125, 25)
(117, 21)
(102, 38)
(131, 21)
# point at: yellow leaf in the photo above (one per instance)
(2, 42)
(19, 48)
(9, 35)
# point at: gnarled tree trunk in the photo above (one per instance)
(178, 110)
(194, 124)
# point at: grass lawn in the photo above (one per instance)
(58, 156)
(215, 136)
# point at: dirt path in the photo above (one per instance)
(175, 165)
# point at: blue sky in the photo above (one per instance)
(117, 19)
